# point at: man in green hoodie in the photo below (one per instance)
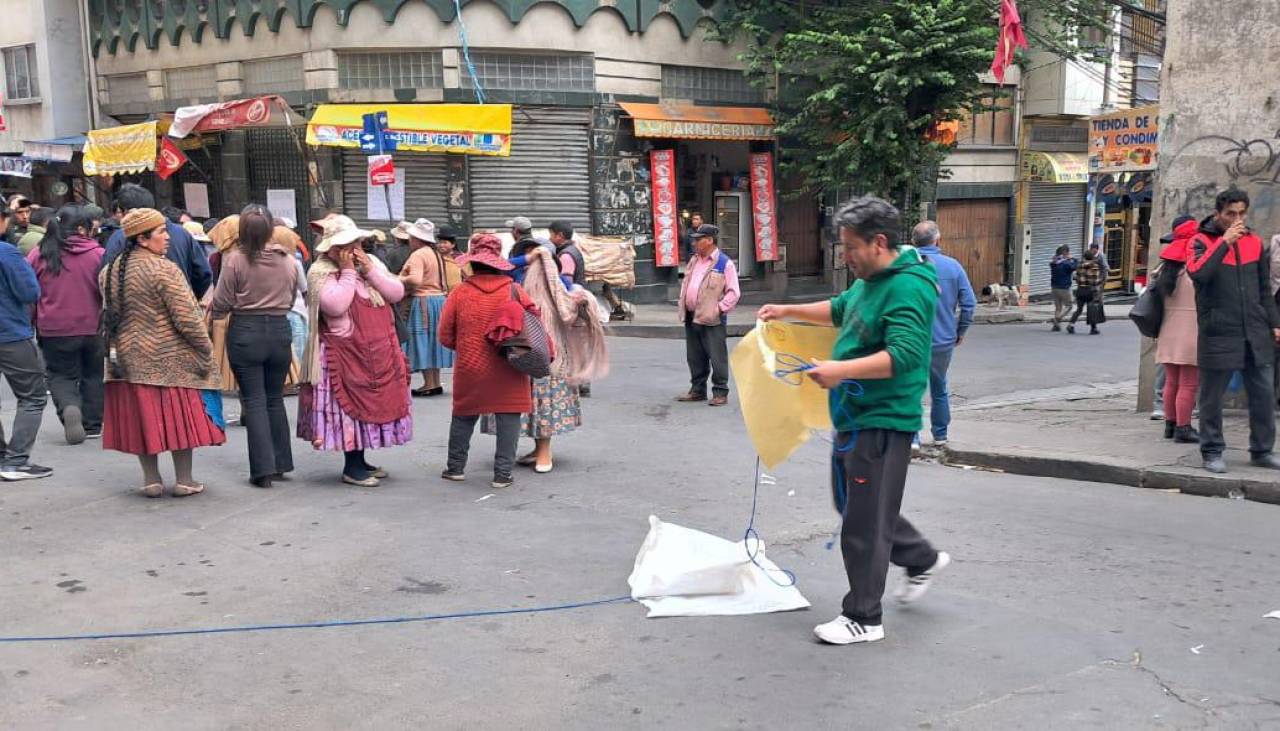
(877, 374)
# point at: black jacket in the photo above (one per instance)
(1234, 307)
(579, 264)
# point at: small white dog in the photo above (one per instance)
(999, 293)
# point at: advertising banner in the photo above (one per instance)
(666, 219)
(1124, 141)
(764, 214)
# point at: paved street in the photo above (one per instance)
(1073, 603)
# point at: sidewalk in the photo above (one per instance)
(1101, 439)
(662, 321)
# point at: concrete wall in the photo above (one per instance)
(1220, 111)
(54, 27)
(626, 63)
(1219, 120)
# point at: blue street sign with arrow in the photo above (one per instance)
(374, 139)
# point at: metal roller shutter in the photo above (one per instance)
(1056, 214)
(426, 188)
(546, 177)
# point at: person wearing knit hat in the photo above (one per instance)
(426, 284)
(162, 385)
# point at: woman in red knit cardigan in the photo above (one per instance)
(483, 382)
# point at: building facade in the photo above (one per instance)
(45, 97)
(566, 67)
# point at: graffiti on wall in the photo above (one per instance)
(1252, 165)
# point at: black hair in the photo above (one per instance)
(113, 303)
(173, 213)
(1064, 249)
(1227, 197)
(210, 223)
(131, 196)
(564, 228)
(256, 228)
(868, 216)
(69, 220)
(41, 216)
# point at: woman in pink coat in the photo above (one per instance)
(1179, 331)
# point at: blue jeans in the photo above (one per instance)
(939, 396)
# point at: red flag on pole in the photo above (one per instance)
(1011, 38)
(170, 160)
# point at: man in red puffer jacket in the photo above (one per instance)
(1239, 328)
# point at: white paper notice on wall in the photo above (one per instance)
(377, 197)
(197, 197)
(282, 204)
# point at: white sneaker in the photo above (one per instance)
(845, 631)
(913, 588)
(1157, 414)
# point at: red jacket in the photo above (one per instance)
(483, 383)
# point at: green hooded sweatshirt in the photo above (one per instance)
(893, 310)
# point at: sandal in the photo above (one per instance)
(369, 481)
(181, 490)
(543, 469)
(156, 489)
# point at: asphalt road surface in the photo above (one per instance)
(1070, 604)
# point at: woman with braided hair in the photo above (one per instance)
(161, 382)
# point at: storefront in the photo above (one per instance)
(1056, 185)
(434, 145)
(720, 162)
(1123, 148)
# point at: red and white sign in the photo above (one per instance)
(223, 116)
(382, 171)
(666, 219)
(3, 127)
(169, 160)
(764, 211)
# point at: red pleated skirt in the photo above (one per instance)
(139, 419)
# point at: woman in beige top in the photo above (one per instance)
(256, 287)
(426, 285)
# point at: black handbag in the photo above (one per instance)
(1148, 313)
(1095, 313)
(529, 352)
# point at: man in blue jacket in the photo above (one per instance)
(955, 295)
(1061, 272)
(20, 361)
(183, 250)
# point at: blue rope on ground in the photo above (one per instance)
(313, 625)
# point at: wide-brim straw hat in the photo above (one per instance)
(340, 231)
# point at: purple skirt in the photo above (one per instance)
(322, 421)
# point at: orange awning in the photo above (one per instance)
(689, 121)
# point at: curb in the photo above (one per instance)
(1187, 480)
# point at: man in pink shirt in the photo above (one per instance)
(707, 295)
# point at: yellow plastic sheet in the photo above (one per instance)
(120, 150)
(780, 413)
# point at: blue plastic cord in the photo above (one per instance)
(312, 625)
(466, 53)
(750, 534)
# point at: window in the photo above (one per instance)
(990, 127)
(396, 70)
(191, 83)
(128, 89)
(711, 85)
(21, 83)
(532, 72)
(273, 75)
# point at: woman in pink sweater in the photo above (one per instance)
(355, 383)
